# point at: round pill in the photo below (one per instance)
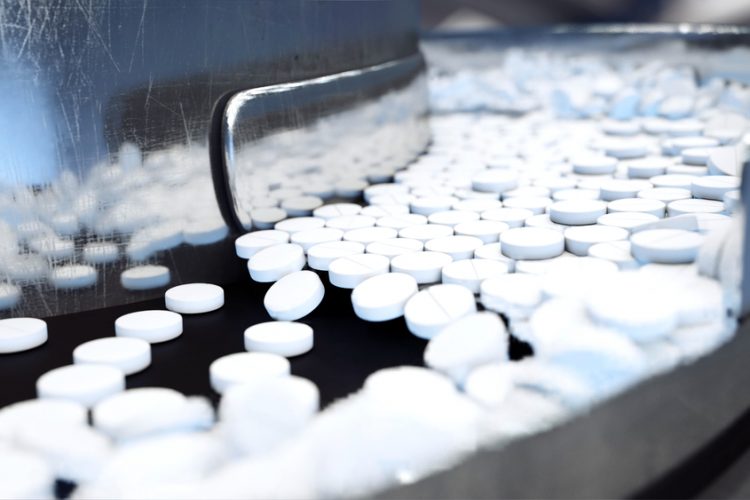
(367, 235)
(495, 181)
(310, 237)
(394, 246)
(100, 252)
(593, 164)
(470, 273)
(84, 384)
(380, 211)
(336, 209)
(425, 232)
(73, 276)
(142, 410)
(431, 204)
(579, 239)
(152, 326)
(694, 205)
(625, 148)
(349, 222)
(265, 218)
(622, 188)
(320, 256)
(486, 230)
(145, 277)
(616, 127)
(351, 270)
(626, 220)
(725, 134)
(284, 338)
(649, 206)
(645, 168)
(680, 144)
(194, 298)
(296, 224)
(696, 156)
(458, 247)
(577, 212)
(513, 217)
(666, 246)
(424, 267)
(714, 187)
(205, 231)
(249, 244)
(273, 262)
(246, 367)
(614, 251)
(130, 355)
(664, 194)
(21, 334)
(452, 217)
(684, 127)
(294, 296)
(515, 295)
(301, 206)
(532, 243)
(383, 297)
(428, 311)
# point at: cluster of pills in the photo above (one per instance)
(602, 227)
(65, 233)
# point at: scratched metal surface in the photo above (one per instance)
(105, 112)
(375, 121)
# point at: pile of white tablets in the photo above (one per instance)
(600, 223)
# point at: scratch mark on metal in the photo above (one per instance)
(92, 26)
(140, 34)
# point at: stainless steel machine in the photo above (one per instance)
(133, 134)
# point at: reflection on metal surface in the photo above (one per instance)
(105, 108)
(315, 136)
